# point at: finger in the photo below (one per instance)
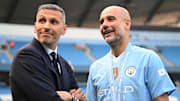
(83, 97)
(80, 95)
(78, 91)
(64, 95)
(72, 91)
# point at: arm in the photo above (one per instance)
(29, 76)
(91, 92)
(157, 79)
(163, 97)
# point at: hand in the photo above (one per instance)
(78, 94)
(66, 96)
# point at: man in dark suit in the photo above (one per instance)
(38, 73)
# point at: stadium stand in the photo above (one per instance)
(99, 50)
(4, 59)
(171, 53)
(17, 45)
(73, 55)
(81, 53)
(5, 93)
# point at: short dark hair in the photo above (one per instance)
(53, 7)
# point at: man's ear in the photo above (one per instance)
(128, 24)
(34, 27)
(65, 28)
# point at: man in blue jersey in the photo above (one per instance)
(127, 72)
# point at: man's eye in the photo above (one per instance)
(42, 20)
(111, 18)
(101, 21)
(53, 21)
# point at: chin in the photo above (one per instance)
(109, 39)
(44, 40)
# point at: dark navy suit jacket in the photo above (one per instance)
(33, 78)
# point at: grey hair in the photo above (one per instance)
(54, 7)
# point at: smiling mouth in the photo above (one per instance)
(44, 32)
(107, 32)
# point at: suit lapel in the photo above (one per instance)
(41, 49)
(47, 60)
(62, 67)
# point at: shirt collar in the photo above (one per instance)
(116, 59)
(49, 51)
(128, 49)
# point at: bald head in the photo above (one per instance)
(119, 11)
(115, 25)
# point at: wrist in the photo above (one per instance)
(74, 98)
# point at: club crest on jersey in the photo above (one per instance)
(130, 71)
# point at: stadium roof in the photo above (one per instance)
(84, 13)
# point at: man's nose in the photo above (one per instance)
(105, 25)
(46, 30)
(47, 25)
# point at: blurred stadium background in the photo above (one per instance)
(156, 25)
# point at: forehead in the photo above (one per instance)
(110, 12)
(49, 14)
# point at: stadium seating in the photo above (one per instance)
(73, 55)
(4, 59)
(81, 62)
(99, 50)
(171, 53)
(17, 45)
(5, 93)
(79, 58)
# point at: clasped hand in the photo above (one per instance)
(67, 96)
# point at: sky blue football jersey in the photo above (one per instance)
(141, 76)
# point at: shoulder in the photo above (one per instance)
(102, 60)
(100, 63)
(148, 56)
(143, 51)
(27, 52)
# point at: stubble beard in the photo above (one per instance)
(116, 41)
(46, 41)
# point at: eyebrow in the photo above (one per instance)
(41, 16)
(109, 16)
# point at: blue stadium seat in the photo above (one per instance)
(4, 59)
(5, 93)
(99, 50)
(73, 55)
(17, 46)
(171, 53)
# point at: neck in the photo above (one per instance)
(53, 48)
(50, 46)
(119, 48)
